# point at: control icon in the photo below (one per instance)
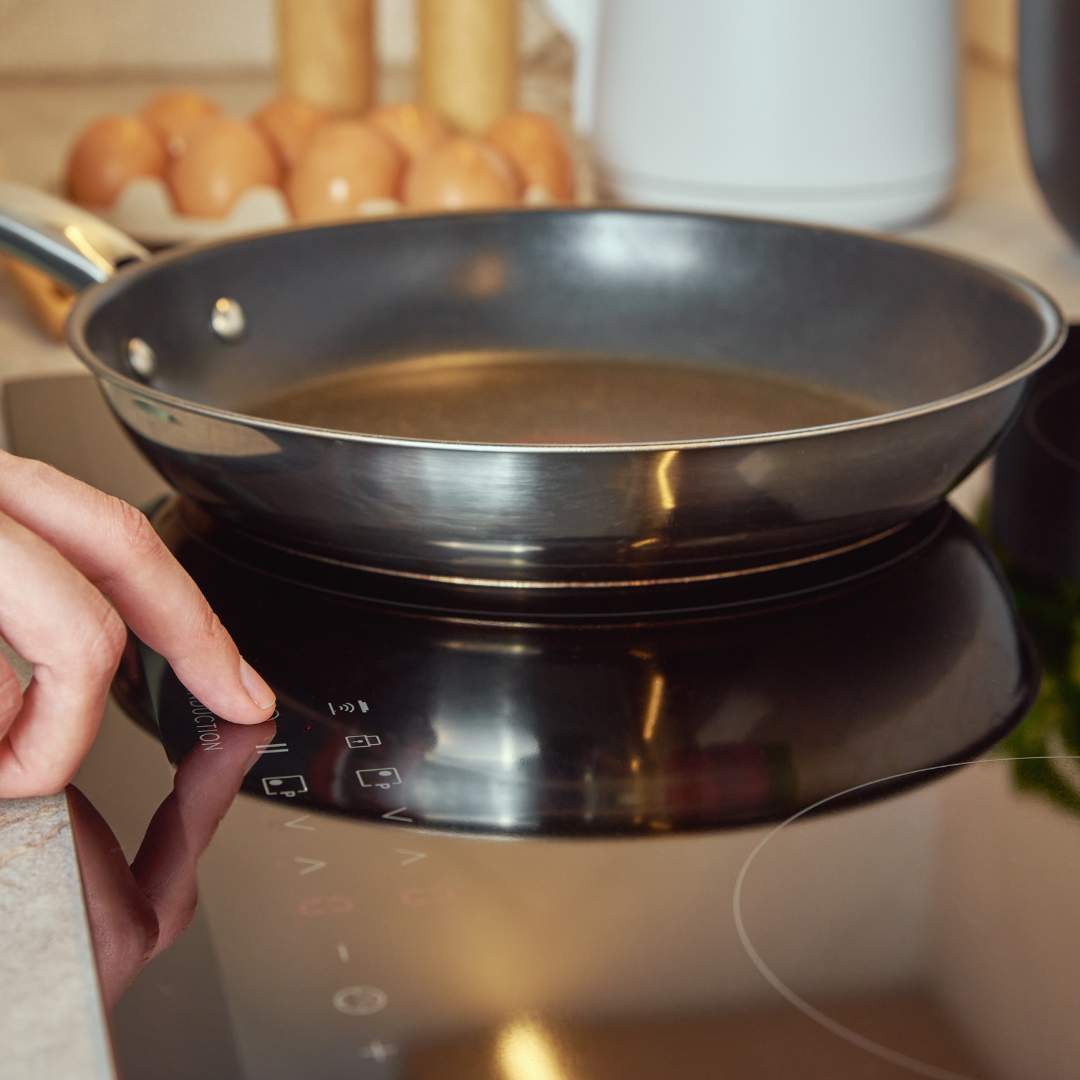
(378, 1051)
(347, 707)
(288, 786)
(362, 742)
(360, 1000)
(317, 906)
(378, 778)
(272, 748)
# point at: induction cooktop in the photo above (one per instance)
(630, 711)
(589, 839)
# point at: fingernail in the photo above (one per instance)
(255, 685)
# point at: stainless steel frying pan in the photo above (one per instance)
(184, 343)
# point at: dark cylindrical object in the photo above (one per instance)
(1036, 505)
(1050, 94)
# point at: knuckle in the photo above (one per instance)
(207, 628)
(52, 778)
(136, 534)
(106, 638)
(113, 636)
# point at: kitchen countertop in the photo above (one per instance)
(53, 1023)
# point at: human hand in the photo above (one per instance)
(75, 566)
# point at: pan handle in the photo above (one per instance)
(72, 246)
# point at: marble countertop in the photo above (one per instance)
(53, 1023)
(53, 1020)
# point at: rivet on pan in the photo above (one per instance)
(227, 319)
(141, 358)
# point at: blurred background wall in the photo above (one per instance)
(49, 36)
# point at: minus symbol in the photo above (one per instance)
(343, 952)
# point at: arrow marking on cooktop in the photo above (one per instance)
(295, 824)
(310, 865)
(397, 815)
(410, 856)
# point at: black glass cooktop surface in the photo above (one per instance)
(631, 711)
(491, 840)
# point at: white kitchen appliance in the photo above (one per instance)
(841, 111)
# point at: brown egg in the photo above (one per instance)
(225, 158)
(414, 128)
(346, 164)
(537, 148)
(461, 174)
(175, 115)
(288, 123)
(109, 153)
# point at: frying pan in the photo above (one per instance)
(184, 342)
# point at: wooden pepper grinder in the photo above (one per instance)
(326, 53)
(468, 59)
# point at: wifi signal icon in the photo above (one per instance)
(347, 707)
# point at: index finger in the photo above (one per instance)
(115, 547)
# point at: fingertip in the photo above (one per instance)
(227, 698)
(242, 710)
(262, 697)
(250, 719)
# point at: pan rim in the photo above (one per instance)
(1054, 324)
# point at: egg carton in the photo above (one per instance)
(145, 211)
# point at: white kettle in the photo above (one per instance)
(841, 111)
